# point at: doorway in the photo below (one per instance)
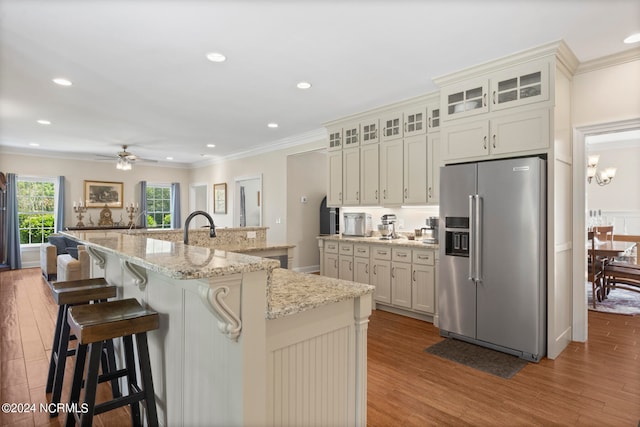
(580, 209)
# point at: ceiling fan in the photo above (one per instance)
(125, 159)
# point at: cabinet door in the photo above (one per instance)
(465, 140)
(434, 163)
(433, 118)
(391, 176)
(361, 270)
(401, 284)
(415, 170)
(465, 99)
(520, 132)
(335, 139)
(345, 267)
(424, 296)
(415, 121)
(351, 135)
(381, 278)
(351, 176)
(334, 196)
(521, 85)
(392, 126)
(370, 174)
(370, 131)
(331, 265)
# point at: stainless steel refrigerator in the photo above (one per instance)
(492, 286)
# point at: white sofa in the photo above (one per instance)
(64, 267)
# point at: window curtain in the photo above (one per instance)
(176, 221)
(13, 223)
(60, 205)
(143, 204)
(243, 208)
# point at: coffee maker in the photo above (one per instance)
(388, 227)
(430, 231)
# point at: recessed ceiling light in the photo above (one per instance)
(211, 145)
(303, 85)
(272, 125)
(34, 144)
(633, 38)
(169, 158)
(44, 122)
(62, 82)
(216, 57)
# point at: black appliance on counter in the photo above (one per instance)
(329, 219)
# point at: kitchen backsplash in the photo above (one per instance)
(409, 218)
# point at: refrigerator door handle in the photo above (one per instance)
(472, 252)
(478, 238)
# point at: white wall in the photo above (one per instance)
(273, 167)
(306, 177)
(619, 201)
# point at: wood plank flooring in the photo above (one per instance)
(592, 384)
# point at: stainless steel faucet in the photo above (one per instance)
(212, 226)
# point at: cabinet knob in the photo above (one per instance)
(405, 193)
(429, 193)
(376, 194)
(414, 275)
(494, 140)
(484, 145)
(429, 121)
(494, 97)
(484, 99)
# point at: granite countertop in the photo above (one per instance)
(172, 259)
(375, 240)
(292, 292)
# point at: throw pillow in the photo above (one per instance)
(73, 252)
(60, 243)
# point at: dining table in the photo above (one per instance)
(610, 249)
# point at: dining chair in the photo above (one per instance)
(604, 232)
(595, 270)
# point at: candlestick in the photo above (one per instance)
(131, 210)
(79, 210)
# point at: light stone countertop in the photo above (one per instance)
(375, 240)
(292, 292)
(172, 259)
(288, 292)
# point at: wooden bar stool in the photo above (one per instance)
(67, 294)
(93, 324)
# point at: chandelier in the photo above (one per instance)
(603, 177)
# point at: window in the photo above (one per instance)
(158, 206)
(36, 207)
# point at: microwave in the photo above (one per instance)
(357, 224)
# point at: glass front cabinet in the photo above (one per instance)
(522, 85)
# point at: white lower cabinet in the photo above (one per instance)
(404, 278)
(361, 270)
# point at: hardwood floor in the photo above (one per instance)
(596, 383)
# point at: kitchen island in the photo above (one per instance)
(241, 341)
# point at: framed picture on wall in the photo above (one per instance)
(220, 198)
(98, 194)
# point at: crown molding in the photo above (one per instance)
(623, 57)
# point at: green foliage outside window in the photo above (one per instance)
(36, 204)
(158, 206)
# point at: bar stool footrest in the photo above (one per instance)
(119, 402)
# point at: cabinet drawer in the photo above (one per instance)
(331, 247)
(423, 257)
(361, 251)
(382, 253)
(346, 248)
(401, 255)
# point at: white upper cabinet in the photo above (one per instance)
(391, 176)
(392, 126)
(350, 135)
(351, 176)
(370, 174)
(435, 161)
(370, 131)
(465, 99)
(415, 121)
(335, 138)
(334, 187)
(521, 85)
(415, 170)
(433, 117)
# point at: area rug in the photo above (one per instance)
(484, 359)
(618, 301)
